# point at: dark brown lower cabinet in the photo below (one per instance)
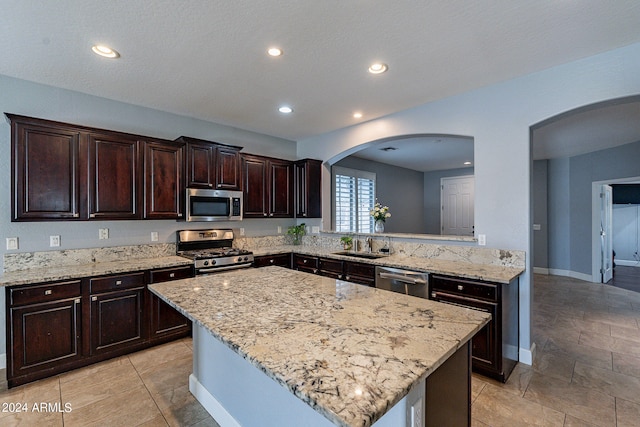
(494, 348)
(58, 326)
(45, 330)
(166, 322)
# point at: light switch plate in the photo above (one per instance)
(154, 236)
(103, 233)
(482, 239)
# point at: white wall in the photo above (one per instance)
(498, 117)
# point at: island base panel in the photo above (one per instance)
(237, 393)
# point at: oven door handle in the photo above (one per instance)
(226, 267)
(404, 279)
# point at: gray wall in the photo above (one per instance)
(432, 209)
(395, 187)
(569, 201)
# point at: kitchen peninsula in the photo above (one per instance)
(274, 346)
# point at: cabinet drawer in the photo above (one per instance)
(467, 288)
(168, 274)
(359, 269)
(306, 261)
(330, 265)
(111, 283)
(282, 260)
(45, 293)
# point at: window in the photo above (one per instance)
(353, 197)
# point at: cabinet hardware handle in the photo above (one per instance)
(92, 215)
(179, 215)
(340, 276)
(210, 185)
(94, 298)
(219, 185)
(272, 260)
(460, 288)
(76, 215)
(271, 214)
(433, 295)
(77, 301)
(172, 274)
(48, 292)
(118, 282)
(348, 277)
(315, 271)
(264, 214)
(304, 261)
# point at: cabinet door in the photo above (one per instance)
(254, 186)
(356, 272)
(308, 183)
(44, 337)
(228, 176)
(113, 176)
(163, 188)
(46, 171)
(116, 320)
(166, 321)
(485, 349)
(281, 189)
(330, 268)
(200, 164)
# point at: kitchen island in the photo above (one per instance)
(274, 346)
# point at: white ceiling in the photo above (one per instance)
(206, 58)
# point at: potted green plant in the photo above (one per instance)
(297, 231)
(347, 242)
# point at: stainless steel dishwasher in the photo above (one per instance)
(406, 282)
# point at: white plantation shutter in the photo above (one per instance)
(354, 197)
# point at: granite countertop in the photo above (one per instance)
(53, 273)
(462, 268)
(349, 351)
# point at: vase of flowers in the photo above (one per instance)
(380, 214)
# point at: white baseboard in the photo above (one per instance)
(541, 270)
(211, 404)
(628, 263)
(572, 274)
(526, 356)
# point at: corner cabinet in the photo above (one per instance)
(267, 184)
(495, 347)
(211, 165)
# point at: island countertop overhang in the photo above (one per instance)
(349, 351)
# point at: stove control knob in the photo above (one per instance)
(246, 258)
(206, 263)
(213, 262)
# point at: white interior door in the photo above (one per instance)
(457, 204)
(606, 234)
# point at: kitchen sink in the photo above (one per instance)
(360, 254)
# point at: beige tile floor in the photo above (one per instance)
(586, 372)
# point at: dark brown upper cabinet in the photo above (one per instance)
(46, 170)
(113, 177)
(267, 185)
(308, 192)
(212, 165)
(163, 180)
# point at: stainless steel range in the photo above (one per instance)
(212, 250)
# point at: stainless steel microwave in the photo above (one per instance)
(213, 205)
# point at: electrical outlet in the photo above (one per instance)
(54, 241)
(154, 236)
(241, 231)
(482, 239)
(279, 230)
(12, 243)
(103, 233)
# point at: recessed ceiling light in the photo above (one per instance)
(105, 51)
(378, 68)
(285, 109)
(357, 115)
(274, 51)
